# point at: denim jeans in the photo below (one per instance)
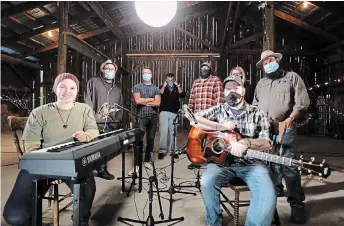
(292, 178)
(166, 130)
(258, 178)
(149, 126)
(18, 208)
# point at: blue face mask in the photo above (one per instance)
(271, 67)
(146, 77)
(109, 74)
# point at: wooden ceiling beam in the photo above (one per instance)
(259, 51)
(247, 40)
(98, 9)
(197, 38)
(46, 28)
(80, 36)
(22, 8)
(305, 25)
(16, 61)
(225, 32)
(73, 20)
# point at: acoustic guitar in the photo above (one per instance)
(214, 146)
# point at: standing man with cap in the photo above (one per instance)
(100, 90)
(206, 91)
(252, 124)
(282, 96)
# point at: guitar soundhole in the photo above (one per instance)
(218, 145)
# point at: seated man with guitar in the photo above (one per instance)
(55, 123)
(237, 120)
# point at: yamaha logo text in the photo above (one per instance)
(91, 158)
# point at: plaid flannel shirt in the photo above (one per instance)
(251, 122)
(206, 94)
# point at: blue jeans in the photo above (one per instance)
(257, 176)
(292, 178)
(166, 130)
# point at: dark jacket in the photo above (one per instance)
(97, 93)
(170, 100)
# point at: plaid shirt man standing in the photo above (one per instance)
(206, 91)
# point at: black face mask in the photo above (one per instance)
(233, 99)
(205, 73)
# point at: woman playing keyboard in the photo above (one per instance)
(62, 121)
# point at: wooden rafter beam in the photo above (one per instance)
(196, 38)
(305, 25)
(224, 36)
(247, 40)
(84, 6)
(332, 7)
(84, 48)
(72, 20)
(333, 46)
(46, 28)
(259, 51)
(98, 9)
(234, 24)
(81, 36)
(16, 61)
(22, 8)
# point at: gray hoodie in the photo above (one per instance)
(97, 93)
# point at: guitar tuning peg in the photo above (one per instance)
(323, 161)
(321, 179)
(312, 159)
(301, 156)
(309, 176)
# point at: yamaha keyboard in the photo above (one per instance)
(77, 159)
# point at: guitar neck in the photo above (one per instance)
(269, 157)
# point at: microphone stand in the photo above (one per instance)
(150, 220)
(138, 150)
(171, 190)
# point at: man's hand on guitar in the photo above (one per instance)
(229, 126)
(238, 148)
(289, 123)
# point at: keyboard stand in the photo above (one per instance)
(138, 150)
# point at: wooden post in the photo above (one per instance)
(37, 88)
(126, 83)
(62, 47)
(269, 27)
(78, 71)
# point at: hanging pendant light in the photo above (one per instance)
(156, 13)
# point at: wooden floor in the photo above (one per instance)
(324, 201)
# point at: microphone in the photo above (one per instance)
(107, 109)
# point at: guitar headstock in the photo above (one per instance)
(313, 168)
(187, 113)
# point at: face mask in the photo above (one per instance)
(205, 73)
(146, 77)
(109, 74)
(169, 83)
(271, 67)
(233, 99)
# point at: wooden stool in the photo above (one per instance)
(18, 124)
(240, 186)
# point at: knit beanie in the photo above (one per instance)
(63, 76)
